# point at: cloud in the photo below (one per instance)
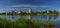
(28, 5)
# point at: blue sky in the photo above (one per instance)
(36, 5)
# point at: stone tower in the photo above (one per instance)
(30, 10)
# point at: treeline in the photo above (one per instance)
(32, 13)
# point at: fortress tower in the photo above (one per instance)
(30, 10)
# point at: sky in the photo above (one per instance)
(24, 5)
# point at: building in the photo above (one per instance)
(19, 12)
(30, 10)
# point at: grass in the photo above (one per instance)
(24, 23)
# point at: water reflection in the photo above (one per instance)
(52, 17)
(30, 17)
(34, 17)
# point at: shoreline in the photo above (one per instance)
(32, 14)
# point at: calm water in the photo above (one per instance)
(55, 19)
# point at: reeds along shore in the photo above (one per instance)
(25, 23)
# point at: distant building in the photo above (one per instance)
(30, 10)
(19, 12)
(48, 12)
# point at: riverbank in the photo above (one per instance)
(49, 14)
(25, 23)
(40, 14)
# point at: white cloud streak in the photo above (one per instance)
(24, 5)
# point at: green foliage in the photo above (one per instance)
(24, 23)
